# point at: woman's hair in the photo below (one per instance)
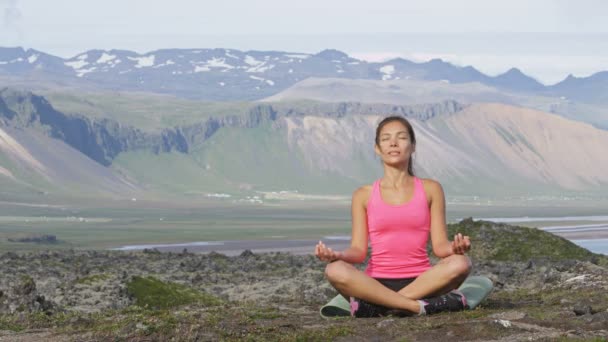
(410, 131)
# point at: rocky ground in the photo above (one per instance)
(547, 290)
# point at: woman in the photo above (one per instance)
(397, 212)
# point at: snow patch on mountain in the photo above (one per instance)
(260, 68)
(33, 58)
(252, 61)
(219, 63)
(82, 72)
(166, 63)
(77, 64)
(199, 68)
(228, 54)
(142, 62)
(298, 56)
(105, 57)
(388, 71)
(261, 79)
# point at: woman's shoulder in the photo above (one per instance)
(431, 186)
(362, 193)
(363, 190)
(429, 182)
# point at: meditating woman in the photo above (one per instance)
(397, 213)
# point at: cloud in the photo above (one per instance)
(12, 15)
(11, 23)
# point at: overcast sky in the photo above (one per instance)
(546, 39)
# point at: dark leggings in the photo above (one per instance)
(395, 284)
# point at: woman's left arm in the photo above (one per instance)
(442, 247)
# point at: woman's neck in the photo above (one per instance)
(395, 176)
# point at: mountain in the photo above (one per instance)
(516, 80)
(401, 91)
(397, 91)
(308, 147)
(228, 74)
(585, 89)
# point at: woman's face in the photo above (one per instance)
(395, 146)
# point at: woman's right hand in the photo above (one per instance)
(325, 253)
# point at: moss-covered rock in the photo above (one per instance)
(152, 293)
(503, 242)
(25, 286)
(88, 280)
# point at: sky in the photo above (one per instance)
(547, 39)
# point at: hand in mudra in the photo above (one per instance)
(461, 244)
(325, 253)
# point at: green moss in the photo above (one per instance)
(264, 313)
(595, 297)
(502, 242)
(329, 334)
(152, 293)
(7, 322)
(472, 314)
(27, 284)
(35, 320)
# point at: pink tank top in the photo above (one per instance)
(398, 235)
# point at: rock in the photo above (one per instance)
(509, 315)
(600, 317)
(246, 253)
(385, 323)
(550, 277)
(580, 310)
(504, 323)
(580, 278)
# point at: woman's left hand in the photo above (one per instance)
(461, 244)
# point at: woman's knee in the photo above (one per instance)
(460, 265)
(338, 272)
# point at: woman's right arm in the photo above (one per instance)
(357, 251)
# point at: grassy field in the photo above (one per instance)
(101, 225)
(111, 227)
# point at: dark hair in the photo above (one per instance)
(410, 131)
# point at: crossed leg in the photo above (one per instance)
(446, 275)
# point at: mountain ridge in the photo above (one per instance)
(320, 148)
(229, 74)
